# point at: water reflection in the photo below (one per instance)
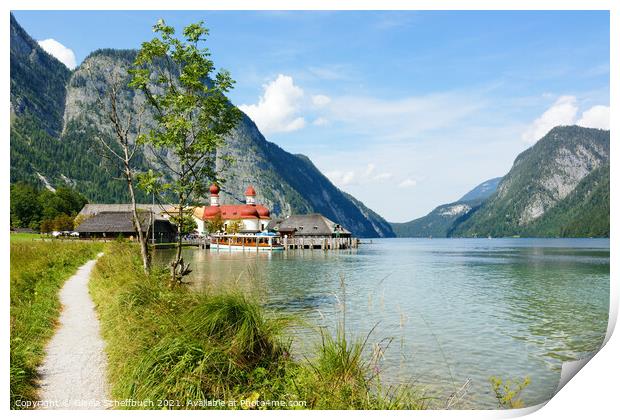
(452, 309)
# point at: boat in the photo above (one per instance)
(263, 241)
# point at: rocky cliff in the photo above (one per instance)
(565, 170)
(68, 152)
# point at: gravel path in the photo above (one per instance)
(73, 372)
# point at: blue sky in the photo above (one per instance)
(404, 110)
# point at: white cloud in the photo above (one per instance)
(341, 178)
(407, 183)
(595, 117)
(320, 100)
(383, 176)
(278, 108)
(358, 176)
(562, 112)
(63, 54)
(320, 121)
(404, 118)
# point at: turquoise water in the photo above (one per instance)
(451, 310)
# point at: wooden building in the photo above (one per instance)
(312, 231)
(112, 224)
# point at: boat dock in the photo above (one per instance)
(240, 242)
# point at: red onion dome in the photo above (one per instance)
(262, 211)
(250, 191)
(210, 211)
(248, 211)
(214, 189)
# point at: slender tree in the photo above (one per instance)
(117, 137)
(192, 117)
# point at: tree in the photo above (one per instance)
(188, 223)
(192, 116)
(216, 224)
(62, 222)
(46, 226)
(25, 206)
(62, 201)
(234, 227)
(118, 140)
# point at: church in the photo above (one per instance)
(253, 217)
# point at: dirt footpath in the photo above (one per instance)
(73, 374)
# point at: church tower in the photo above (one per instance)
(250, 196)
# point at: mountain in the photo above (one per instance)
(558, 187)
(439, 222)
(38, 83)
(482, 191)
(54, 129)
(583, 213)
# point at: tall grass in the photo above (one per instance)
(175, 345)
(38, 271)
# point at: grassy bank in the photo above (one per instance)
(24, 237)
(38, 271)
(170, 347)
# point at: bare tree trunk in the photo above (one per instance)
(122, 133)
(177, 264)
(142, 236)
(178, 268)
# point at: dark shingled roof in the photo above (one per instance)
(308, 225)
(94, 209)
(120, 222)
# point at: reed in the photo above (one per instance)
(181, 346)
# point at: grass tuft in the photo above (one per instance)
(178, 345)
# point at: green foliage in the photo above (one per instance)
(508, 393)
(440, 222)
(38, 270)
(38, 81)
(176, 344)
(216, 224)
(65, 152)
(192, 112)
(44, 209)
(234, 227)
(584, 212)
(437, 224)
(26, 208)
(63, 201)
(62, 222)
(188, 223)
(192, 116)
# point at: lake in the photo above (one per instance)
(451, 310)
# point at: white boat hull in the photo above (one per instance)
(220, 247)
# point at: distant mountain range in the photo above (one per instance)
(54, 120)
(439, 222)
(558, 187)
